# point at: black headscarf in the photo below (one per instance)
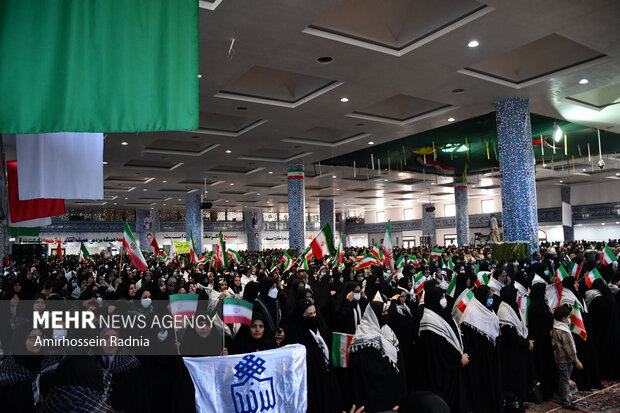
(508, 294)
(481, 293)
(250, 292)
(568, 283)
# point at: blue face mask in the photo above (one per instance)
(73, 285)
(489, 302)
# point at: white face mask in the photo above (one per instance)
(235, 268)
(273, 293)
(341, 279)
(59, 334)
(357, 296)
(146, 302)
(443, 302)
(161, 336)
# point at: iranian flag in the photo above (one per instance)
(340, 349)
(237, 311)
(131, 246)
(436, 253)
(482, 278)
(340, 252)
(464, 301)
(307, 254)
(218, 256)
(414, 261)
(366, 262)
(173, 249)
(155, 246)
(523, 302)
(378, 253)
(83, 255)
(592, 276)
(304, 264)
(387, 249)
(451, 287)
(576, 322)
(418, 283)
(288, 262)
(59, 252)
(607, 256)
(400, 262)
(555, 295)
(323, 243)
(575, 269)
(260, 260)
(233, 255)
(193, 253)
(222, 251)
(450, 264)
(560, 274)
(183, 305)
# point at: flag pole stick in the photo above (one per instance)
(176, 340)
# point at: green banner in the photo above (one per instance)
(98, 66)
(182, 247)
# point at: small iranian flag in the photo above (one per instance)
(234, 255)
(131, 246)
(523, 302)
(222, 251)
(155, 246)
(260, 260)
(592, 276)
(304, 264)
(482, 278)
(418, 283)
(288, 262)
(183, 305)
(323, 243)
(464, 301)
(400, 262)
(607, 256)
(237, 311)
(576, 322)
(451, 287)
(340, 349)
(575, 269)
(477, 270)
(555, 295)
(388, 251)
(307, 254)
(193, 252)
(84, 255)
(378, 253)
(560, 273)
(414, 261)
(366, 262)
(436, 253)
(340, 252)
(450, 264)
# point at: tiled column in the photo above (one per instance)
(343, 229)
(4, 242)
(193, 219)
(327, 214)
(428, 226)
(296, 207)
(461, 205)
(567, 215)
(516, 166)
(147, 224)
(254, 228)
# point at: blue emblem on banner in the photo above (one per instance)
(252, 394)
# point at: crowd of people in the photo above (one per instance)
(469, 343)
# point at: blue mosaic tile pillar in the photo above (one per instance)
(147, 224)
(327, 214)
(193, 219)
(428, 226)
(296, 208)
(342, 223)
(516, 167)
(253, 220)
(461, 204)
(567, 215)
(4, 242)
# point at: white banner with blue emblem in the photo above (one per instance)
(272, 381)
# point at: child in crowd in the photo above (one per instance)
(564, 353)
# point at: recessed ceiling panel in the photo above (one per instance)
(225, 123)
(329, 137)
(401, 109)
(127, 180)
(598, 98)
(159, 165)
(234, 170)
(179, 147)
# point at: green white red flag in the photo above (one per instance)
(340, 251)
(366, 262)
(418, 283)
(288, 262)
(523, 302)
(84, 255)
(607, 256)
(592, 276)
(436, 253)
(560, 273)
(388, 251)
(131, 246)
(340, 349)
(464, 301)
(576, 324)
(400, 262)
(450, 264)
(482, 278)
(237, 311)
(575, 269)
(183, 305)
(233, 255)
(377, 253)
(323, 244)
(414, 261)
(193, 252)
(452, 286)
(155, 246)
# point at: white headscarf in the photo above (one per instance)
(508, 317)
(369, 334)
(481, 319)
(431, 321)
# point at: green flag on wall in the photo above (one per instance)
(98, 66)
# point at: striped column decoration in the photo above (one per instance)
(567, 215)
(461, 205)
(516, 166)
(327, 214)
(296, 208)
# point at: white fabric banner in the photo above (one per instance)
(63, 165)
(272, 381)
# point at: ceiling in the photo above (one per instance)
(272, 76)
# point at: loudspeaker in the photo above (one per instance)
(206, 205)
(429, 209)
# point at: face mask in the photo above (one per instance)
(235, 268)
(547, 273)
(462, 271)
(146, 302)
(161, 336)
(443, 302)
(73, 285)
(99, 299)
(59, 334)
(166, 277)
(357, 296)
(489, 302)
(341, 279)
(360, 279)
(273, 293)
(388, 272)
(253, 273)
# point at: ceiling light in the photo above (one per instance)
(385, 180)
(371, 143)
(164, 181)
(228, 151)
(617, 173)
(344, 100)
(105, 163)
(231, 184)
(337, 189)
(124, 143)
(603, 223)
(126, 198)
(617, 222)
(179, 199)
(473, 43)
(144, 189)
(584, 169)
(561, 181)
(258, 193)
(584, 81)
(333, 176)
(164, 204)
(557, 132)
(325, 60)
(270, 172)
(227, 200)
(450, 119)
(199, 76)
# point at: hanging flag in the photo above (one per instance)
(400, 262)
(418, 283)
(607, 256)
(183, 305)
(340, 349)
(436, 164)
(451, 287)
(155, 246)
(388, 251)
(323, 243)
(414, 261)
(436, 253)
(464, 301)
(482, 278)
(24, 231)
(575, 269)
(21, 210)
(234, 255)
(131, 246)
(117, 74)
(366, 262)
(523, 302)
(560, 274)
(576, 324)
(59, 252)
(237, 311)
(592, 276)
(49, 163)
